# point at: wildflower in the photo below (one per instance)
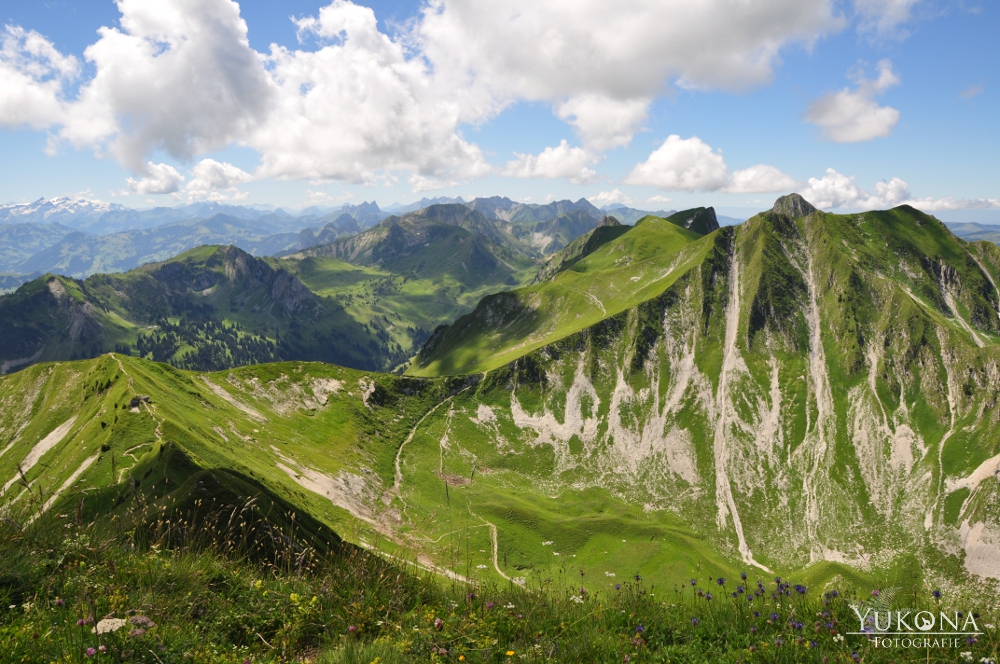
(708, 597)
(258, 584)
(102, 648)
(510, 653)
(814, 644)
(59, 601)
(779, 641)
(639, 629)
(695, 621)
(583, 591)
(875, 593)
(79, 623)
(438, 624)
(740, 589)
(352, 629)
(720, 581)
(753, 629)
(638, 578)
(294, 597)
(470, 597)
(743, 575)
(626, 659)
(855, 656)
(774, 616)
(137, 632)
(839, 638)
(967, 656)
(108, 625)
(461, 658)
(936, 594)
(489, 605)
(90, 652)
(618, 586)
(800, 589)
(694, 582)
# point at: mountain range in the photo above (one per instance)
(805, 392)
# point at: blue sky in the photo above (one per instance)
(663, 104)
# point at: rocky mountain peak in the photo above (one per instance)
(794, 206)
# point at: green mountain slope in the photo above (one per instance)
(643, 261)
(807, 393)
(211, 307)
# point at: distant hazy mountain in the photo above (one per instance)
(971, 232)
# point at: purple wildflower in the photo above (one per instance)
(639, 629)
(720, 581)
(90, 652)
(59, 601)
(936, 594)
(438, 624)
(743, 575)
(695, 621)
(800, 589)
(694, 582)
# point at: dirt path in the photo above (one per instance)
(494, 537)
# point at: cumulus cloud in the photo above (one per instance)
(561, 161)
(617, 196)
(32, 76)
(852, 116)
(159, 179)
(359, 105)
(178, 76)
(602, 122)
(216, 181)
(760, 179)
(690, 164)
(685, 164)
(837, 191)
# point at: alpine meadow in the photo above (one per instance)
(592, 390)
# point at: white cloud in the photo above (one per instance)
(32, 76)
(357, 106)
(575, 54)
(658, 199)
(690, 164)
(949, 203)
(850, 117)
(884, 17)
(609, 197)
(216, 181)
(759, 179)
(159, 179)
(419, 183)
(561, 161)
(602, 122)
(178, 76)
(685, 164)
(836, 191)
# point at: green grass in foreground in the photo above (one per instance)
(193, 590)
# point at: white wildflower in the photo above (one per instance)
(966, 655)
(108, 625)
(509, 606)
(577, 599)
(609, 574)
(548, 543)
(839, 638)
(481, 566)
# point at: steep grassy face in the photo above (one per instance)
(211, 307)
(819, 391)
(317, 439)
(619, 274)
(805, 393)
